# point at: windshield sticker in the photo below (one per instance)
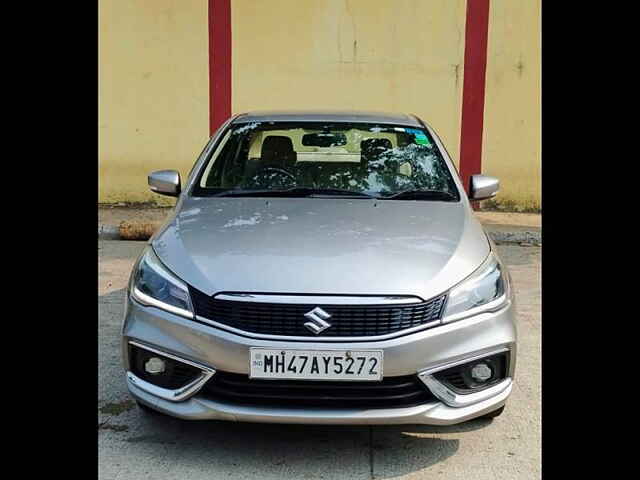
(419, 136)
(422, 140)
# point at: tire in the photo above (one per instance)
(495, 413)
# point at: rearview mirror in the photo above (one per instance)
(482, 187)
(165, 182)
(324, 139)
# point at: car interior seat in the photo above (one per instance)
(277, 152)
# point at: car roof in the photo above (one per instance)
(350, 116)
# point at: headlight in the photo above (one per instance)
(156, 286)
(486, 289)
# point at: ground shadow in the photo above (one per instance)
(266, 448)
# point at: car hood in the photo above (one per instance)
(321, 245)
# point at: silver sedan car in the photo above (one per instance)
(321, 267)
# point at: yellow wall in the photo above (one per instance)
(153, 92)
(404, 56)
(512, 128)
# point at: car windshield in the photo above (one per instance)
(307, 159)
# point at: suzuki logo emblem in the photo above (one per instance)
(317, 322)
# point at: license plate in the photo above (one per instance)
(354, 365)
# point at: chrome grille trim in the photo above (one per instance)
(319, 299)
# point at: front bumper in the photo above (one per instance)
(419, 353)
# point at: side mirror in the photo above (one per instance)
(165, 182)
(482, 187)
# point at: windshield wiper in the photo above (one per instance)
(334, 191)
(421, 195)
(242, 192)
(292, 192)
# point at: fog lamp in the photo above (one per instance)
(481, 372)
(154, 366)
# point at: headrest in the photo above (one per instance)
(277, 148)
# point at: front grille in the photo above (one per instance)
(389, 393)
(288, 319)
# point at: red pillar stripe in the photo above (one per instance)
(475, 66)
(219, 63)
